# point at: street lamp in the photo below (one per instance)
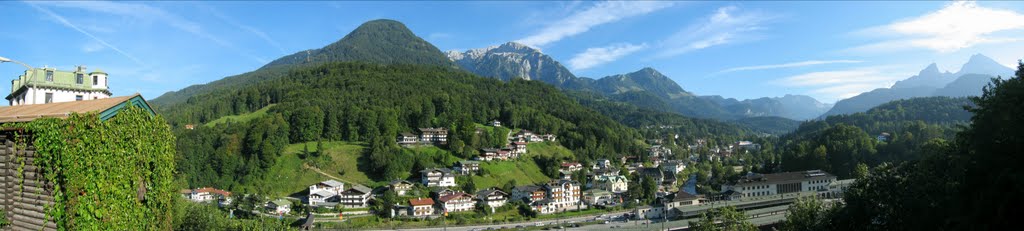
(32, 71)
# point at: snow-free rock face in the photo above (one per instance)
(513, 61)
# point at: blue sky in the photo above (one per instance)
(828, 50)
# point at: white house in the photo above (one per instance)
(754, 185)
(421, 207)
(492, 197)
(49, 85)
(356, 196)
(324, 192)
(615, 184)
(439, 177)
(673, 166)
(280, 206)
(457, 202)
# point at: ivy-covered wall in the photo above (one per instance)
(104, 175)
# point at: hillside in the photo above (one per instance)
(378, 41)
(513, 61)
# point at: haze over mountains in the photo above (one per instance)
(968, 81)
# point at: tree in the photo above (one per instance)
(649, 188)
(469, 185)
(806, 214)
(861, 171)
(725, 218)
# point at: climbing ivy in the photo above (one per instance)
(106, 175)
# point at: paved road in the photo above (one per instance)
(513, 225)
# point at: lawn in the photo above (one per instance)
(241, 118)
(288, 176)
(496, 173)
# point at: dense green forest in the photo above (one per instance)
(839, 144)
(372, 103)
(969, 182)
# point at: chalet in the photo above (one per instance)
(654, 173)
(457, 202)
(434, 135)
(437, 177)
(440, 192)
(466, 167)
(528, 193)
(564, 194)
(504, 154)
(324, 192)
(571, 166)
(519, 147)
(564, 175)
(548, 137)
(407, 139)
(658, 150)
(356, 196)
(602, 163)
(492, 197)
(421, 207)
(280, 206)
(488, 154)
(614, 184)
(544, 206)
(401, 187)
(207, 195)
(598, 197)
(604, 172)
(495, 123)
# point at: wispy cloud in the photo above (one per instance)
(957, 26)
(65, 22)
(598, 14)
(841, 84)
(600, 55)
(252, 30)
(143, 12)
(725, 26)
(787, 65)
(92, 46)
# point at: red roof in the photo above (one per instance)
(568, 164)
(421, 201)
(213, 190)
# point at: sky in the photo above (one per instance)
(744, 50)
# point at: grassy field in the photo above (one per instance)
(240, 118)
(288, 175)
(496, 173)
(548, 149)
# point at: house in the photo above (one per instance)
(190, 126)
(528, 193)
(440, 192)
(488, 154)
(654, 173)
(673, 166)
(755, 184)
(49, 85)
(564, 175)
(437, 177)
(434, 135)
(614, 184)
(492, 197)
(279, 206)
(683, 198)
(670, 179)
(564, 194)
(885, 136)
(598, 197)
(548, 137)
(571, 166)
(356, 196)
(324, 192)
(747, 145)
(504, 154)
(421, 207)
(207, 195)
(457, 202)
(407, 139)
(603, 163)
(401, 187)
(519, 147)
(466, 167)
(495, 123)
(659, 151)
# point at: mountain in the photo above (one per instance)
(513, 61)
(646, 79)
(969, 81)
(794, 107)
(378, 41)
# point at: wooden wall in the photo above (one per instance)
(23, 196)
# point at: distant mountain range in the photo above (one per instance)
(646, 88)
(969, 81)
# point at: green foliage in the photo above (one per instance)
(807, 214)
(202, 217)
(107, 175)
(724, 219)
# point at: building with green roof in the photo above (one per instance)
(49, 85)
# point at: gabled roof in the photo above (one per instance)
(358, 188)
(421, 201)
(281, 202)
(322, 193)
(684, 196)
(482, 194)
(397, 182)
(106, 108)
(454, 196)
(442, 170)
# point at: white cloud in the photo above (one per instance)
(68, 24)
(723, 27)
(598, 14)
(840, 84)
(146, 13)
(600, 55)
(788, 65)
(957, 26)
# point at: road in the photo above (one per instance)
(513, 225)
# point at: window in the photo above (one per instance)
(49, 97)
(49, 76)
(95, 80)
(78, 98)
(79, 78)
